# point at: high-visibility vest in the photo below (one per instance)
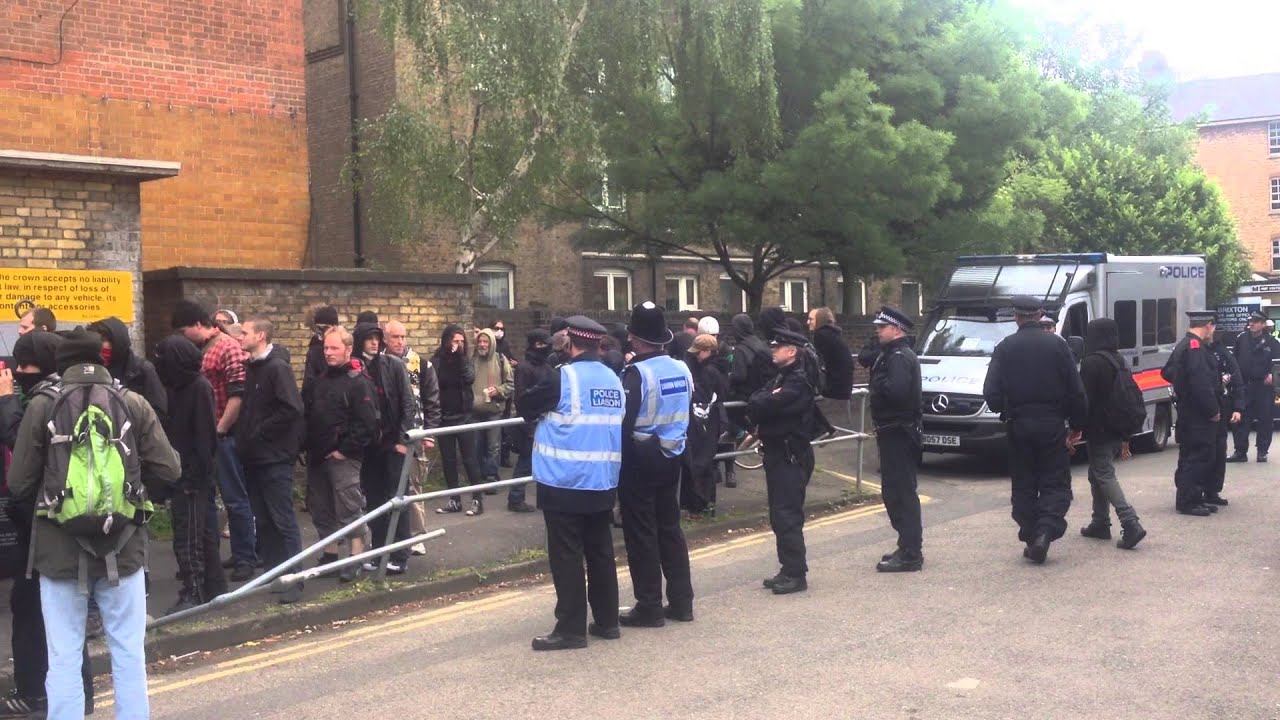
(578, 446)
(666, 388)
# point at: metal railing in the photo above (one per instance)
(280, 578)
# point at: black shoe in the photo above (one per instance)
(453, 506)
(556, 641)
(292, 595)
(679, 614)
(1038, 551)
(1262, 457)
(770, 582)
(1213, 509)
(397, 568)
(902, 562)
(521, 508)
(788, 585)
(243, 573)
(1197, 511)
(350, 573)
(631, 617)
(185, 602)
(604, 633)
(1131, 533)
(891, 555)
(1097, 531)
(15, 705)
(1239, 457)
(1215, 499)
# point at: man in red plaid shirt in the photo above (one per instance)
(223, 365)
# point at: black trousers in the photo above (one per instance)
(30, 652)
(899, 450)
(1196, 440)
(1218, 469)
(571, 539)
(1259, 407)
(451, 446)
(380, 480)
(648, 496)
(195, 549)
(786, 477)
(1040, 467)
(271, 497)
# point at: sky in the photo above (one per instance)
(1222, 38)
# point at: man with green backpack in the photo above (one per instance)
(93, 455)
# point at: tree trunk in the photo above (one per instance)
(851, 289)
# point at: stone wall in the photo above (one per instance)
(424, 302)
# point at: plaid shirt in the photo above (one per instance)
(223, 366)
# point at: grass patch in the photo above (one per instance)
(482, 571)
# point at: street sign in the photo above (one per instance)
(1264, 288)
(1235, 318)
(74, 296)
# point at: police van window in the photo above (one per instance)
(1126, 317)
(1167, 326)
(1149, 323)
(1077, 319)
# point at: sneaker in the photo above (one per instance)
(420, 549)
(242, 573)
(453, 506)
(350, 573)
(395, 568)
(14, 705)
(477, 508)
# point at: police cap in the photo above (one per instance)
(893, 316)
(1200, 318)
(782, 337)
(1258, 316)
(585, 328)
(1027, 305)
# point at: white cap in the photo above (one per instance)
(708, 326)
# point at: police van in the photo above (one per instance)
(1146, 296)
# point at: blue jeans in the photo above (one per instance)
(124, 618)
(271, 493)
(235, 498)
(488, 445)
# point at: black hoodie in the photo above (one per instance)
(456, 373)
(838, 359)
(191, 425)
(753, 364)
(1098, 372)
(134, 373)
(397, 406)
(270, 427)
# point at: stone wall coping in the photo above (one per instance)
(59, 162)
(317, 275)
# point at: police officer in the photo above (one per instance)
(1192, 369)
(577, 454)
(896, 410)
(1232, 402)
(659, 390)
(1033, 383)
(1256, 350)
(783, 413)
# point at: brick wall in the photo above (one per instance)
(218, 87)
(424, 302)
(1237, 157)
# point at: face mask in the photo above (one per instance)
(106, 356)
(27, 381)
(499, 333)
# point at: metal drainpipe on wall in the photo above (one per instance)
(357, 239)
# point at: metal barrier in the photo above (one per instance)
(279, 577)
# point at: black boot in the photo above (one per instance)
(1097, 531)
(1238, 457)
(1038, 551)
(1215, 499)
(1131, 533)
(731, 478)
(904, 561)
(787, 585)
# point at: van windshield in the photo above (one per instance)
(966, 336)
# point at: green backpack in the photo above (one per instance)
(92, 477)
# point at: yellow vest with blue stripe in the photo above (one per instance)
(578, 446)
(666, 388)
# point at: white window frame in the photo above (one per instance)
(742, 300)
(786, 295)
(685, 300)
(862, 292)
(1275, 194)
(919, 308)
(612, 276)
(502, 269)
(1273, 138)
(608, 206)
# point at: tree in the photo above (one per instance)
(482, 120)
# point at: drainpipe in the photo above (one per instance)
(357, 238)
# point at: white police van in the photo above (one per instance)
(1146, 296)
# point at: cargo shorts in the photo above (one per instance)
(334, 495)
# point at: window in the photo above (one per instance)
(1149, 333)
(795, 295)
(682, 292)
(1167, 322)
(732, 297)
(1273, 136)
(611, 290)
(1126, 316)
(497, 283)
(1275, 253)
(1275, 194)
(1075, 320)
(859, 298)
(613, 204)
(912, 299)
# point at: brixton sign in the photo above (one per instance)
(74, 296)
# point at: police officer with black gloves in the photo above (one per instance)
(896, 411)
(783, 413)
(1034, 384)
(1232, 401)
(1193, 370)
(1256, 350)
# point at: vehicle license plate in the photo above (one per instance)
(943, 440)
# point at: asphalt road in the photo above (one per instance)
(1183, 627)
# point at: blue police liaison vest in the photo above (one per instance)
(666, 387)
(578, 446)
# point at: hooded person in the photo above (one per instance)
(535, 369)
(559, 341)
(192, 429)
(1098, 370)
(771, 319)
(492, 385)
(752, 366)
(456, 375)
(134, 373)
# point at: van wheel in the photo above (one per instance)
(1161, 429)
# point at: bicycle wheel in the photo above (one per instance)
(749, 462)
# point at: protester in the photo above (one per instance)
(559, 342)
(324, 318)
(192, 430)
(611, 354)
(135, 373)
(37, 319)
(457, 375)
(223, 365)
(710, 389)
(691, 327)
(490, 389)
(427, 398)
(534, 371)
(225, 316)
(69, 576)
(268, 437)
(834, 353)
(501, 342)
(342, 425)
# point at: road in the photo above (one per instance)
(1184, 627)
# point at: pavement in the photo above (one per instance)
(1182, 627)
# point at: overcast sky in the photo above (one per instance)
(1221, 38)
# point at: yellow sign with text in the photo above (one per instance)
(74, 296)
